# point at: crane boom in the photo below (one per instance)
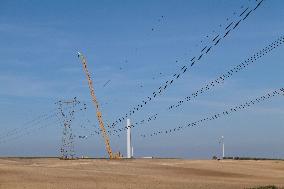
(98, 112)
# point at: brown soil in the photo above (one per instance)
(51, 173)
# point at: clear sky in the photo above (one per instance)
(138, 45)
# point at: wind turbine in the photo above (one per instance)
(221, 140)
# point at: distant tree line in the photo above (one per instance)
(251, 158)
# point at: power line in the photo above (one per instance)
(218, 81)
(34, 124)
(190, 63)
(219, 115)
(27, 126)
(19, 135)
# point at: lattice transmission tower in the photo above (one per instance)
(67, 109)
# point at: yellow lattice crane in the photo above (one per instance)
(99, 114)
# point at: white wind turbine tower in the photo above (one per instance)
(221, 140)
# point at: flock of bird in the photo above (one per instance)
(191, 62)
(219, 115)
(219, 80)
(207, 46)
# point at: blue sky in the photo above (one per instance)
(130, 43)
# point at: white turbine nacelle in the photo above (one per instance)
(79, 54)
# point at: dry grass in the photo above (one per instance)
(266, 187)
(50, 173)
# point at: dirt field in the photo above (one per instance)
(139, 173)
